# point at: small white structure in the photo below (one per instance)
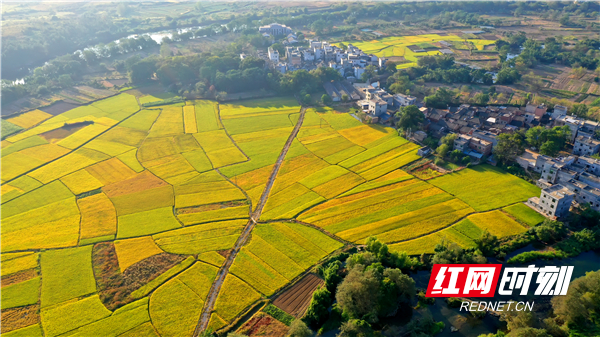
(404, 100)
(586, 146)
(273, 55)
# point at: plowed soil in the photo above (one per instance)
(263, 325)
(296, 299)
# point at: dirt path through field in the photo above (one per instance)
(209, 304)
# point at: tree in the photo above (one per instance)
(355, 294)
(534, 136)
(356, 328)
(509, 147)
(580, 307)
(142, 71)
(550, 148)
(65, 80)
(345, 98)
(481, 98)
(550, 231)
(409, 117)
(326, 99)
(487, 243)
(298, 329)
(442, 150)
(317, 312)
(165, 50)
(440, 99)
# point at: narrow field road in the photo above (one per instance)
(224, 270)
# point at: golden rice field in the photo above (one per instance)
(174, 186)
(398, 46)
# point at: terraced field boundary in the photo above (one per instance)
(224, 270)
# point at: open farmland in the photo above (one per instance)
(407, 49)
(120, 221)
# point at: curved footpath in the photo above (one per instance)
(209, 304)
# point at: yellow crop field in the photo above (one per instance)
(154, 148)
(168, 123)
(169, 166)
(497, 223)
(15, 164)
(200, 238)
(366, 134)
(140, 182)
(213, 258)
(338, 185)
(142, 120)
(110, 148)
(98, 216)
(30, 118)
(213, 140)
(146, 223)
(186, 143)
(82, 136)
(226, 213)
(131, 251)
(234, 297)
(130, 159)
(14, 263)
(127, 136)
(46, 152)
(70, 163)
(81, 181)
(189, 119)
(110, 171)
(145, 200)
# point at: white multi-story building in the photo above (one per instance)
(585, 146)
(404, 100)
(554, 201)
(273, 55)
(275, 29)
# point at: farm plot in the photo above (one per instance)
(296, 299)
(234, 297)
(393, 213)
(278, 252)
(200, 238)
(485, 187)
(219, 148)
(400, 46)
(524, 214)
(176, 305)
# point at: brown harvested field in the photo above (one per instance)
(118, 81)
(296, 299)
(58, 108)
(18, 277)
(115, 287)
(141, 182)
(63, 132)
(263, 324)
(17, 318)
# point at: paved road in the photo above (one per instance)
(254, 217)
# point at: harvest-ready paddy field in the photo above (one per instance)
(407, 49)
(117, 218)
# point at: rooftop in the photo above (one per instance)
(558, 191)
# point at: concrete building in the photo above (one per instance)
(559, 110)
(468, 144)
(586, 146)
(554, 201)
(273, 55)
(275, 29)
(404, 100)
(538, 110)
(578, 126)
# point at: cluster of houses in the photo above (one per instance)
(478, 127)
(564, 181)
(350, 63)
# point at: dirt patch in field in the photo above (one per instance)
(63, 132)
(426, 172)
(296, 299)
(58, 108)
(211, 207)
(263, 324)
(119, 81)
(141, 182)
(115, 287)
(17, 318)
(18, 277)
(224, 253)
